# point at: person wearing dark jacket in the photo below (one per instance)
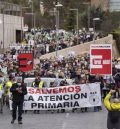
(38, 83)
(113, 107)
(18, 91)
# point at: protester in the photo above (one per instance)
(43, 41)
(74, 67)
(37, 84)
(113, 107)
(18, 91)
(7, 88)
(1, 97)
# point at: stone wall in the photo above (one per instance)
(83, 48)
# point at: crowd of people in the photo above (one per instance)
(46, 40)
(73, 67)
(76, 68)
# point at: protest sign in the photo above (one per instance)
(25, 59)
(101, 59)
(65, 97)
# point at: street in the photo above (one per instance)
(47, 120)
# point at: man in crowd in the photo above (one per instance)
(7, 88)
(113, 107)
(37, 84)
(18, 91)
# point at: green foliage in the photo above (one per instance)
(108, 22)
(70, 19)
(70, 24)
(23, 2)
(94, 13)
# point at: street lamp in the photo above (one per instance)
(88, 13)
(30, 1)
(94, 20)
(3, 22)
(57, 24)
(34, 18)
(33, 15)
(57, 14)
(77, 22)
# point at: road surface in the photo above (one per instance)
(47, 120)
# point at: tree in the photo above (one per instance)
(111, 21)
(94, 13)
(70, 19)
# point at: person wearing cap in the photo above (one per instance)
(1, 97)
(113, 107)
(18, 91)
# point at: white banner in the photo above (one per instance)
(65, 97)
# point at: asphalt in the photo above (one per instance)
(48, 120)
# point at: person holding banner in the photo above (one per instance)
(113, 107)
(18, 91)
(37, 84)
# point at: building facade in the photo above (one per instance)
(114, 5)
(11, 24)
(10, 32)
(107, 5)
(104, 4)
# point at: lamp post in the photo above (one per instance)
(3, 22)
(3, 31)
(30, 1)
(94, 20)
(88, 17)
(34, 18)
(88, 13)
(57, 25)
(77, 23)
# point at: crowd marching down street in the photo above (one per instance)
(56, 84)
(44, 40)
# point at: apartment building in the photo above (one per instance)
(11, 23)
(107, 5)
